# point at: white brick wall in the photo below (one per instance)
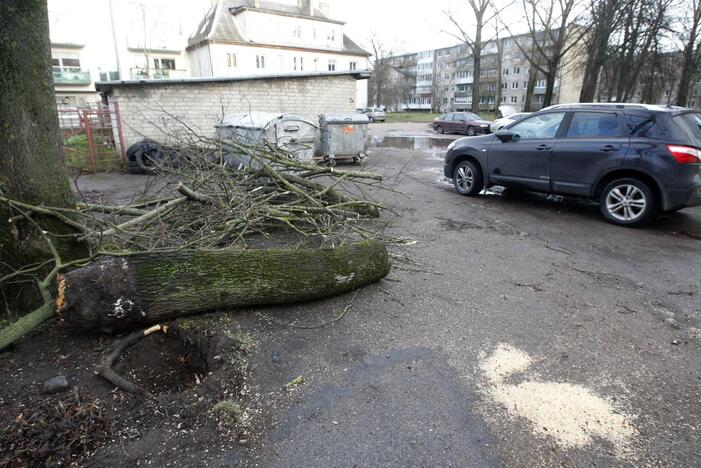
(159, 111)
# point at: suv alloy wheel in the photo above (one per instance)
(628, 202)
(467, 179)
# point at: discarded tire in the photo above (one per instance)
(144, 157)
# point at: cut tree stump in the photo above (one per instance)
(119, 293)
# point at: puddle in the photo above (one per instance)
(413, 143)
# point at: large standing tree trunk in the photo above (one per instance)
(115, 294)
(31, 152)
(476, 72)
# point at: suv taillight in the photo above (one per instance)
(685, 154)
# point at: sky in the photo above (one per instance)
(409, 25)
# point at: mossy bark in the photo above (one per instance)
(31, 151)
(115, 294)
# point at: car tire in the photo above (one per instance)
(148, 159)
(628, 202)
(471, 131)
(371, 119)
(468, 179)
(440, 130)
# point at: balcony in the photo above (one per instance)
(156, 74)
(464, 80)
(65, 77)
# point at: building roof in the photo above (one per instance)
(108, 86)
(276, 8)
(219, 24)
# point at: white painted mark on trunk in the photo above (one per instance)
(341, 279)
(572, 415)
(122, 307)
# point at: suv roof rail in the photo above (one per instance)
(617, 105)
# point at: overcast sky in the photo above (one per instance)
(412, 25)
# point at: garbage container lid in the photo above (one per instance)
(259, 119)
(344, 118)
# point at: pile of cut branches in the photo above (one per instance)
(211, 195)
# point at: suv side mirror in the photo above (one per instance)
(505, 135)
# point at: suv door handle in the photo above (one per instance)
(607, 148)
(543, 147)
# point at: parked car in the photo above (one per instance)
(460, 122)
(498, 124)
(634, 159)
(375, 114)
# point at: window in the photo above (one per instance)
(505, 71)
(260, 61)
(504, 85)
(594, 125)
(514, 99)
(331, 36)
(66, 62)
(447, 76)
(514, 85)
(353, 65)
(332, 65)
(517, 70)
(540, 84)
(164, 64)
(297, 31)
(298, 63)
(231, 60)
(539, 126)
(525, 84)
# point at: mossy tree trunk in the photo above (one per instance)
(31, 152)
(119, 293)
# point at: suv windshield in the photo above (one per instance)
(690, 125)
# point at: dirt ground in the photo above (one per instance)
(513, 330)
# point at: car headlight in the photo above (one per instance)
(450, 146)
(484, 125)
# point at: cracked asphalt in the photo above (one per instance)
(397, 381)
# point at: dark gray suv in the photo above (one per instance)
(635, 159)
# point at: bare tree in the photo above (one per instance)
(552, 34)
(485, 14)
(605, 18)
(392, 77)
(690, 37)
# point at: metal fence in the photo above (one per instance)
(93, 137)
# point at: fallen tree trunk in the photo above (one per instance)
(119, 293)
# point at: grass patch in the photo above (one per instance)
(78, 155)
(428, 117)
(228, 413)
(416, 117)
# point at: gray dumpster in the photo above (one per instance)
(343, 136)
(290, 133)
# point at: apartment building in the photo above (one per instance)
(120, 40)
(443, 78)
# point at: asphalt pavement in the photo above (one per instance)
(513, 330)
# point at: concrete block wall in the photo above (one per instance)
(161, 111)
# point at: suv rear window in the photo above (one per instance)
(650, 126)
(690, 125)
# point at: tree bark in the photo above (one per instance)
(119, 293)
(31, 151)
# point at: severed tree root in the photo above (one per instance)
(105, 370)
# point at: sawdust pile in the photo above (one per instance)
(572, 415)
